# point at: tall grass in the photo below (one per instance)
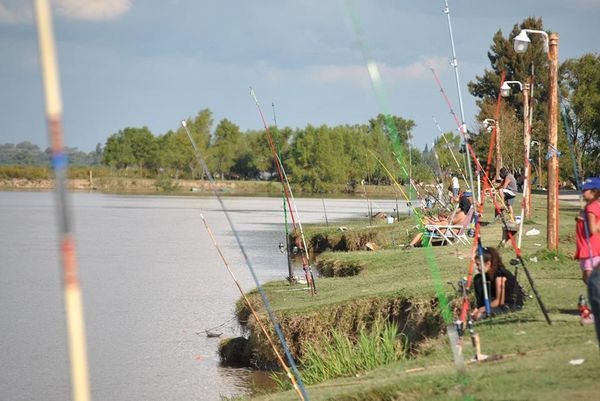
(343, 356)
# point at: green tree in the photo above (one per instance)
(225, 150)
(199, 127)
(518, 68)
(131, 147)
(581, 88)
(254, 156)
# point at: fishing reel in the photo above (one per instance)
(282, 247)
(460, 287)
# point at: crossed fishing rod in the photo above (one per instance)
(498, 210)
(296, 224)
(291, 371)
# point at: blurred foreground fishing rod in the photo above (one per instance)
(80, 387)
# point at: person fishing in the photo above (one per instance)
(455, 186)
(508, 189)
(588, 246)
(503, 290)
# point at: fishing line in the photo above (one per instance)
(418, 215)
(460, 169)
(236, 235)
(80, 386)
(515, 248)
(511, 238)
(291, 276)
(289, 374)
(377, 85)
(297, 225)
(470, 152)
(462, 126)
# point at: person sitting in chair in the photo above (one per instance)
(464, 206)
(503, 290)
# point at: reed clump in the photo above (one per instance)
(339, 355)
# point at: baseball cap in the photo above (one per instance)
(591, 183)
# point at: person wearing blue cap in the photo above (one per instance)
(587, 232)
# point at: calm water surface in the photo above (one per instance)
(152, 282)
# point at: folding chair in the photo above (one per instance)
(450, 233)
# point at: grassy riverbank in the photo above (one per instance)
(104, 179)
(532, 359)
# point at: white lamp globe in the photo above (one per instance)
(521, 42)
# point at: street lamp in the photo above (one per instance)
(489, 124)
(505, 89)
(521, 43)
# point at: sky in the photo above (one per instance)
(134, 63)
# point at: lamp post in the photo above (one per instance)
(521, 43)
(490, 124)
(505, 91)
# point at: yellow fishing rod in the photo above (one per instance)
(285, 367)
(388, 172)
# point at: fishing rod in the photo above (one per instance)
(468, 148)
(297, 225)
(463, 126)
(511, 238)
(439, 182)
(261, 291)
(444, 205)
(462, 130)
(516, 249)
(377, 84)
(494, 137)
(285, 367)
(418, 215)
(291, 278)
(498, 211)
(80, 386)
(460, 169)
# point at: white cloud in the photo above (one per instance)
(15, 12)
(21, 11)
(92, 9)
(358, 74)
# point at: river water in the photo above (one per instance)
(151, 281)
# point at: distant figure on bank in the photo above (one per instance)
(588, 246)
(439, 186)
(455, 187)
(503, 290)
(508, 189)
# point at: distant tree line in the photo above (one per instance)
(315, 158)
(28, 154)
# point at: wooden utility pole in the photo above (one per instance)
(553, 177)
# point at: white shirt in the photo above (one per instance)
(455, 182)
